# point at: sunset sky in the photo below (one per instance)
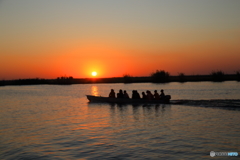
(53, 38)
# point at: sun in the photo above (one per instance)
(94, 73)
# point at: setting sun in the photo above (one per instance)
(94, 73)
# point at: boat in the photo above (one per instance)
(100, 99)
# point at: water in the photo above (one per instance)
(57, 122)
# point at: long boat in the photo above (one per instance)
(100, 99)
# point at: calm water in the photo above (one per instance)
(57, 122)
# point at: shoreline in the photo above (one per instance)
(128, 79)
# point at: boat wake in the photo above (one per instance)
(233, 104)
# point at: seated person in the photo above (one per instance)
(162, 95)
(112, 94)
(156, 95)
(120, 94)
(138, 95)
(149, 95)
(125, 94)
(144, 96)
(135, 94)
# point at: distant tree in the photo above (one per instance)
(160, 76)
(2, 83)
(127, 78)
(182, 77)
(217, 76)
(238, 75)
(64, 80)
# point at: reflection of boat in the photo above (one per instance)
(128, 101)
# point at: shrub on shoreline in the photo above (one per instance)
(160, 76)
(217, 76)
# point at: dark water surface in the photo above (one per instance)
(57, 122)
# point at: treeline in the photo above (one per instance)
(160, 76)
(35, 81)
(216, 76)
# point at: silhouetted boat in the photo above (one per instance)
(100, 99)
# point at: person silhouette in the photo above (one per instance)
(149, 95)
(156, 95)
(120, 94)
(112, 94)
(135, 95)
(125, 94)
(144, 96)
(162, 95)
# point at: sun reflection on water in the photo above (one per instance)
(94, 90)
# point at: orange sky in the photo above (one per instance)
(52, 39)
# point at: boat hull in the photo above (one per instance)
(99, 99)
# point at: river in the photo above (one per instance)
(57, 122)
